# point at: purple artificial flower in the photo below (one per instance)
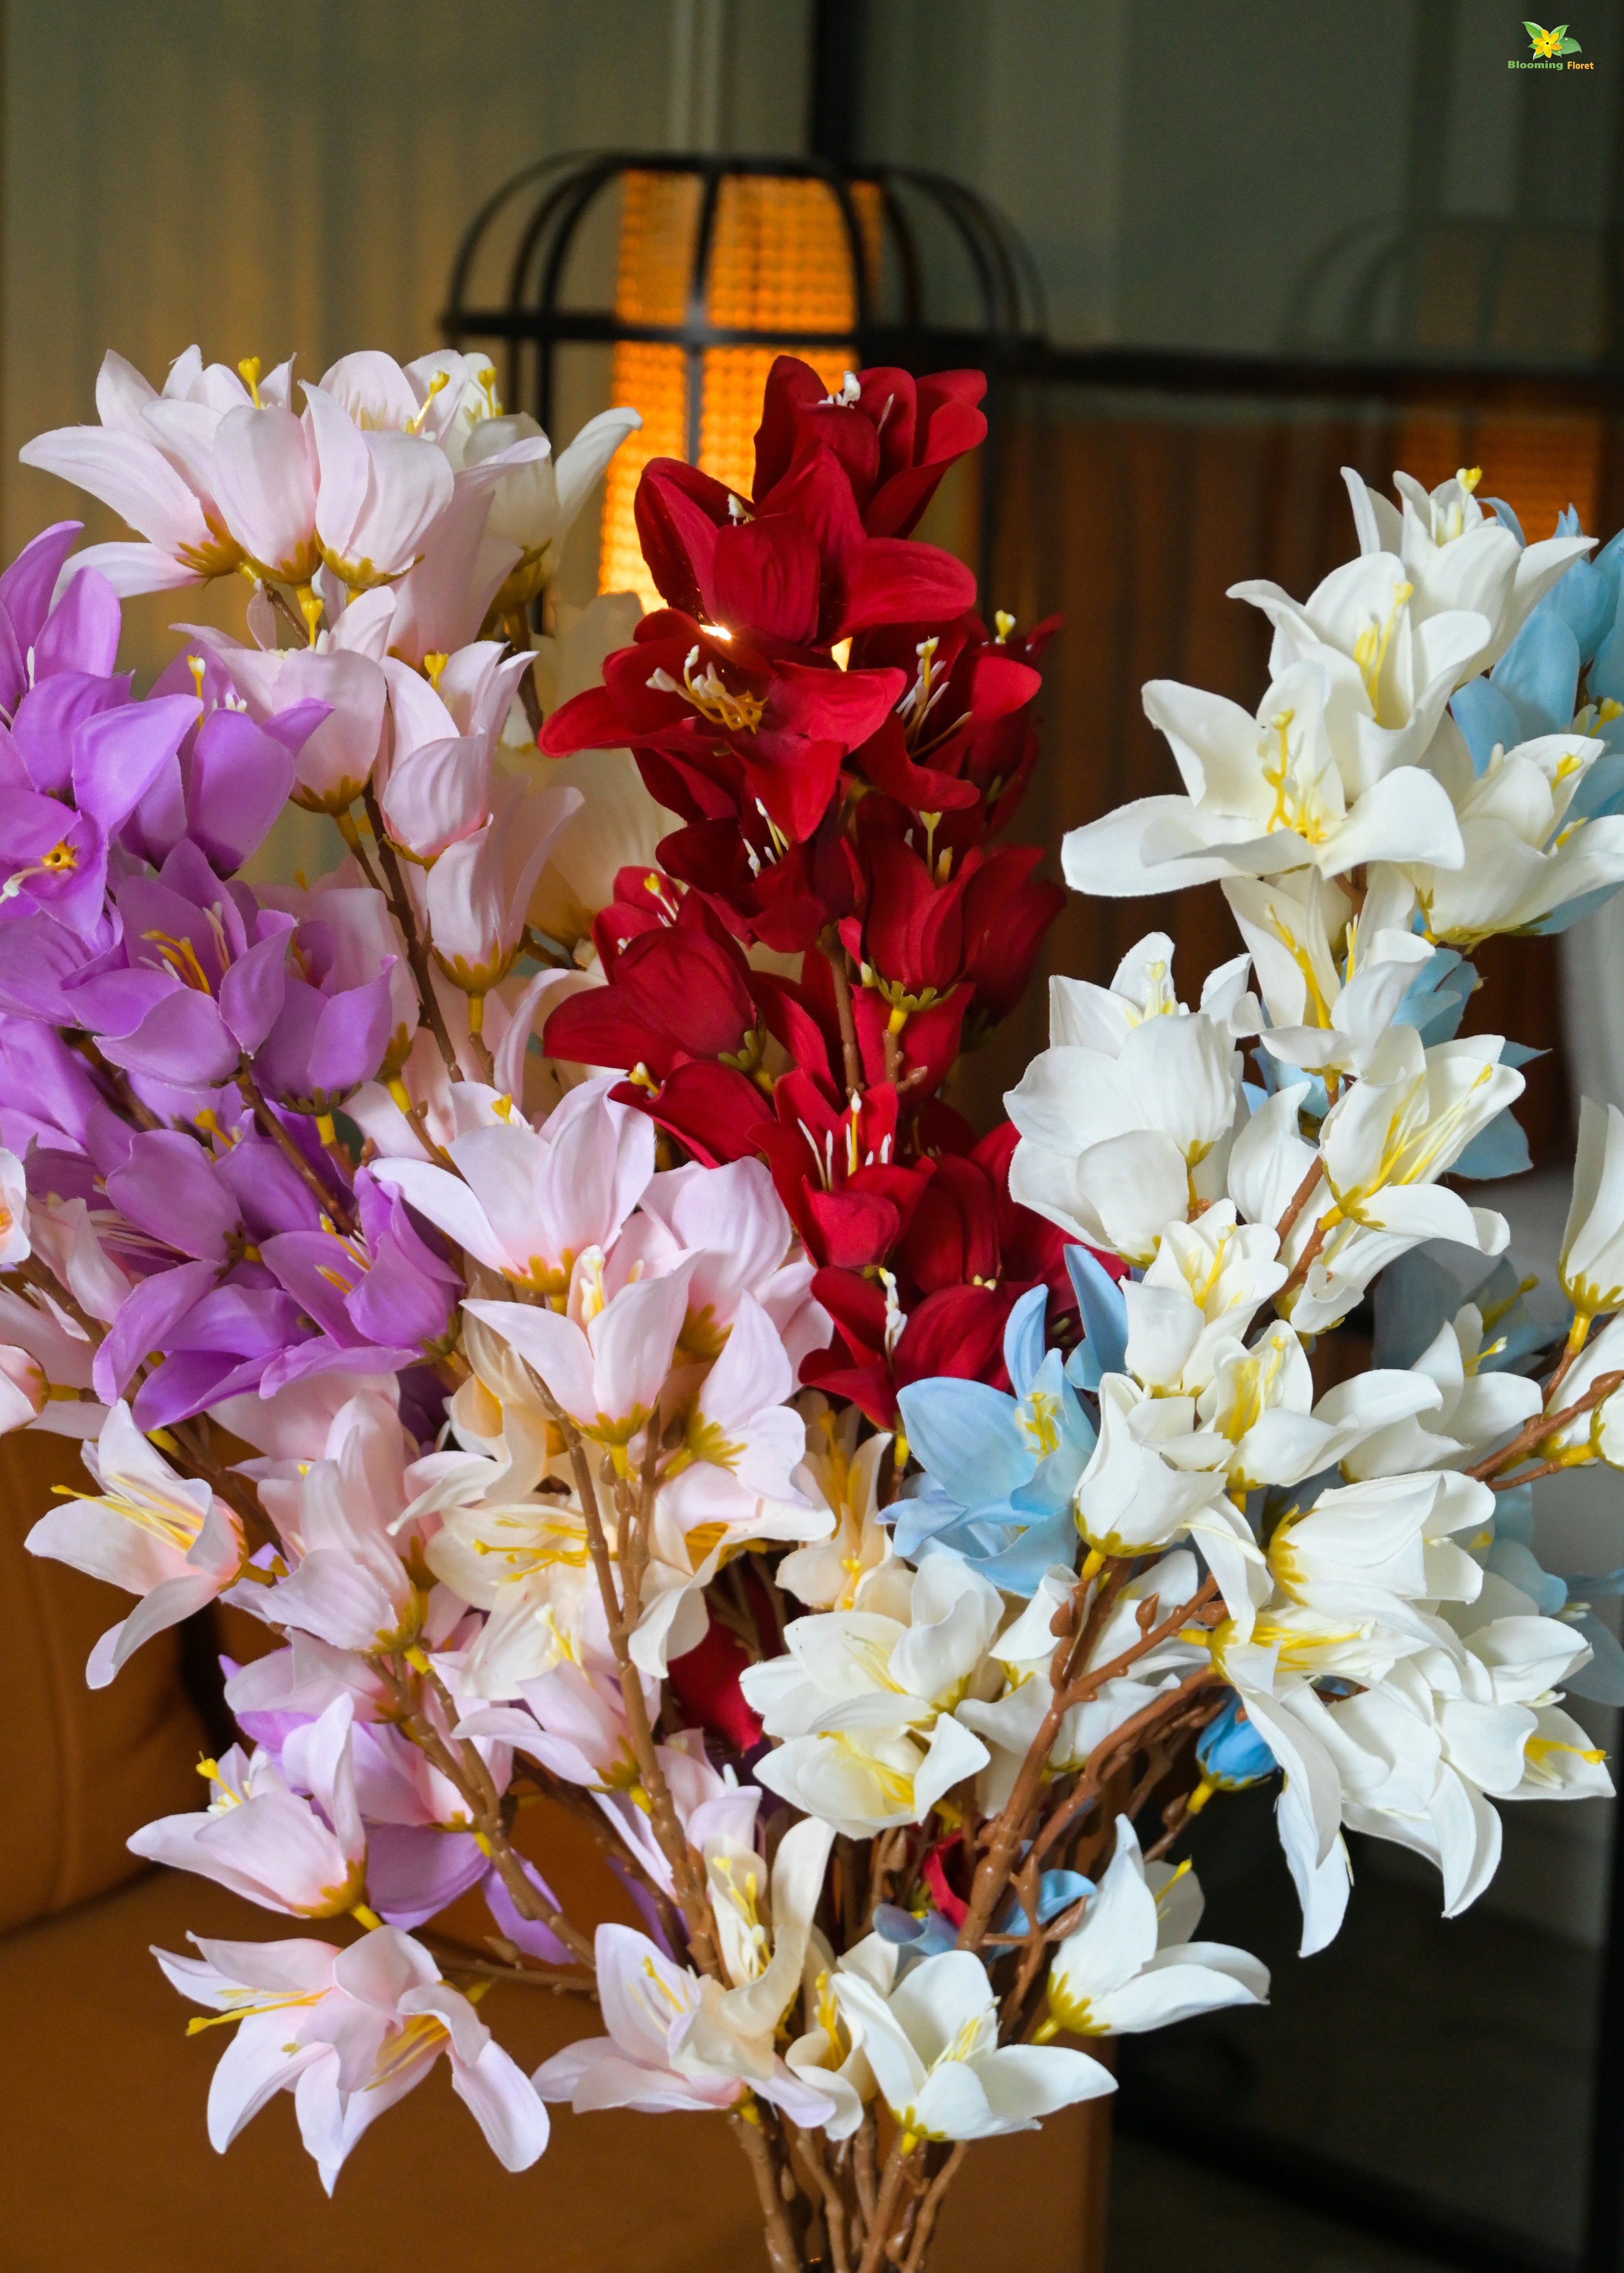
(381, 1299)
(229, 777)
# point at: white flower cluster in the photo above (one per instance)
(1380, 1657)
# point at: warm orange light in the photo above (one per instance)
(780, 259)
(659, 214)
(1540, 465)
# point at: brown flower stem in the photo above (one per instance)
(460, 1764)
(992, 1874)
(783, 2250)
(239, 1493)
(406, 923)
(876, 2247)
(806, 2153)
(914, 2262)
(834, 955)
(1543, 1425)
(1299, 1268)
(118, 1081)
(35, 1273)
(892, 1047)
(454, 1960)
(1121, 1741)
(609, 1839)
(862, 2168)
(336, 1209)
(688, 1878)
(1529, 1476)
(484, 1064)
(1034, 1946)
(284, 606)
(1299, 1201)
(344, 823)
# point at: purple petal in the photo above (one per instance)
(324, 1355)
(115, 1001)
(43, 723)
(535, 1940)
(52, 1174)
(27, 586)
(117, 755)
(351, 1037)
(37, 956)
(396, 1302)
(38, 1069)
(294, 726)
(81, 633)
(413, 1870)
(183, 1040)
(300, 1260)
(14, 771)
(251, 992)
(241, 775)
(269, 1190)
(168, 1187)
(146, 1322)
(245, 1321)
(191, 1382)
(158, 822)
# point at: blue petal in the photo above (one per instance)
(1105, 1316)
(1231, 1751)
(1603, 1678)
(1056, 1473)
(1023, 1338)
(1607, 665)
(914, 1938)
(1540, 671)
(1058, 1890)
(1435, 1000)
(1572, 911)
(1507, 517)
(1511, 1560)
(1486, 717)
(967, 1436)
(921, 1512)
(1498, 1149)
(1584, 601)
(1601, 791)
(1586, 1589)
(1514, 1516)
(1414, 1295)
(1014, 1559)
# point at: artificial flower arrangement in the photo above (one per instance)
(534, 1268)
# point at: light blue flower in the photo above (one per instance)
(1416, 1295)
(1058, 1890)
(1511, 1556)
(1000, 1470)
(1578, 627)
(1231, 1753)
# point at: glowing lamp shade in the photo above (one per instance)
(679, 276)
(779, 260)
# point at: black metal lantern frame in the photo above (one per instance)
(1007, 340)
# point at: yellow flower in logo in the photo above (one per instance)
(1548, 45)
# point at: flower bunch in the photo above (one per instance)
(535, 1272)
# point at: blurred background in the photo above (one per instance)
(1232, 249)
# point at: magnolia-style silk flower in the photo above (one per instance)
(535, 1266)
